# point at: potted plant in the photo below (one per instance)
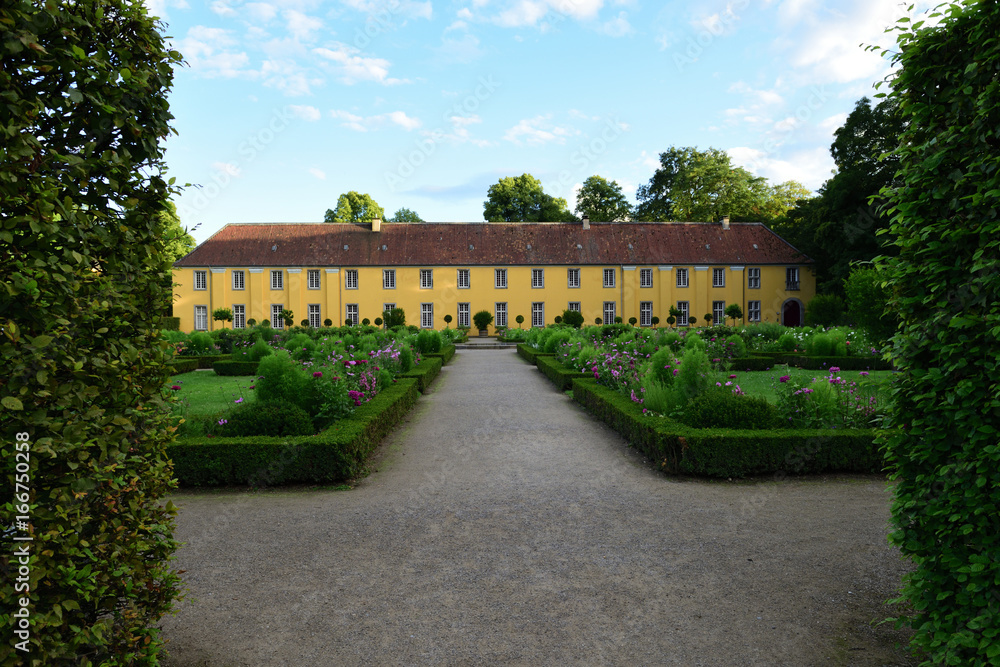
(520, 320)
(482, 320)
(655, 320)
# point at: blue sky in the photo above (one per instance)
(285, 104)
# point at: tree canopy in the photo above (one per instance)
(522, 199)
(177, 239)
(602, 201)
(405, 215)
(354, 207)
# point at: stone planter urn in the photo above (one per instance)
(483, 333)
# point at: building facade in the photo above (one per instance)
(536, 270)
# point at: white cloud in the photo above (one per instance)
(366, 123)
(537, 131)
(353, 67)
(227, 168)
(222, 8)
(288, 77)
(465, 14)
(159, 7)
(811, 167)
(205, 50)
(407, 8)
(308, 113)
(260, 12)
(462, 50)
(616, 27)
(318, 173)
(300, 26)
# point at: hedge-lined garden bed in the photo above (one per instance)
(235, 368)
(676, 448)
(531, 354)
(561, 376)
(425, 372)
(334, 455)
(181, 365)
(446, 354)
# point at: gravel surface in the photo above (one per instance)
(503, 524)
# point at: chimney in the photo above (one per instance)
(586, 221)
(377, 225)
(725, 222)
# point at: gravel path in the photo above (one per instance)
(505, 525)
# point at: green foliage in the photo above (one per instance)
(274, 417)
(572, 318)
(405, 215)
(230, 368)
(945, 281)
(428, 340)
(282, 380)
(671, 339)
(557, 338)
(200, 343)
(787, 342)
(354, 207)
(521, 199)
(602, 201)
(820, 345)
(721, 408)
(660, 397)
(867, 303)
(482, 319)
(736, 347)
(825, 310)
(394, 318)
(694, 342)
(170, 323)
(694, 378)
(86, 277)
(222, 314)
(258, 351)
(734, 311)
(365, 322)
(662, 366)
(425, 372)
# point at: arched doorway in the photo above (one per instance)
(791, 313)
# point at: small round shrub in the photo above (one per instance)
(632, 321)
(328, 322)
(558, 319)
(556, 339)
(200, 343)
(820, 345)
(618, 320)
(378, 321)
(281, 379)
(259, 350)
(694, 342)
(597, 320)
(737, 348)
(573, 318)
(365, 322)
(787, 342)
(273, 418)
(721, 408)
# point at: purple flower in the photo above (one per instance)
(784, 378)
(864, 373)
(318, 374)
(253, 386)
(223, 421)
(238, 400)
(731, 377)
(834, 369)
(175, 388)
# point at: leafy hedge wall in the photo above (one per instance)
(180, 365)
(235, 367)
(561, 376)
(336, 454)
(945, 282)
(86, 279)
(425, 373)
(677, 448)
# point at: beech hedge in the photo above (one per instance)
(337, 454)
(180, 365)
(679, 449)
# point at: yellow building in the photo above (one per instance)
(537, 270)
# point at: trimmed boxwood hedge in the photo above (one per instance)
(446, 353)
(753, 363)
(561, 376)
(235, 367)
(676, 448)
(425, 373)
(530, 354)
(181, 365)
(844, 363)
(336, 454)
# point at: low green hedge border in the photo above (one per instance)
(676, 448)
(530, 354)
(181, 365)
(235, 367)
(844, 363)
(446, 353)
(753, 363)
(425, 373)
(561, 376)
(338, 453)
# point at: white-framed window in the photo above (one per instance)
(201, 318)
(312, 278)
(573, 278)
(427, 316)
(388, 278)
(753, 278)
(718, 312)
(276, 320)
(426, 278)
(464, 315)
(239, 280)
(574, 306)
(538, 314)
(685, 308)
(682, 277)
(645, 313)
(718, 277)
(239, 316)
(500, 313)
(792, 279)
(387, 307)
(645, 277)
(351, 279)
(352, 313)
(501, 278)
(314, 320)
(277, 279)
(609, 312)
(537, 278)
(463, 279)
(609, 277)
(201, 280)
(753, 311)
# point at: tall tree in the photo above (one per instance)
(602, 201)
(85, 271)
(700, 186)
(841, 226)
(405, 215)
(354, 207)
(522, 199)
(177, 239)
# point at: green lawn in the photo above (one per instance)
(203, 394)
(765, 383)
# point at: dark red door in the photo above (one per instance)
(791, 314)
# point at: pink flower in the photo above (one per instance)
(318, 374)
(864, 373)
(175, 387)
(834, 369)
(784, 378)
(238, 400)
(732, 377)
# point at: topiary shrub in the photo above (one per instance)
(258, 351)
(327, 322)
(819, 345)
(736, 347)
(482, 319)
(275, 417)
(200, 343)
(428, 341)
(719, 407)
(573, 318)
(556, 339)
(281, 379)
(787, 342)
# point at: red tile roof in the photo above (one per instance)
(490, 244)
